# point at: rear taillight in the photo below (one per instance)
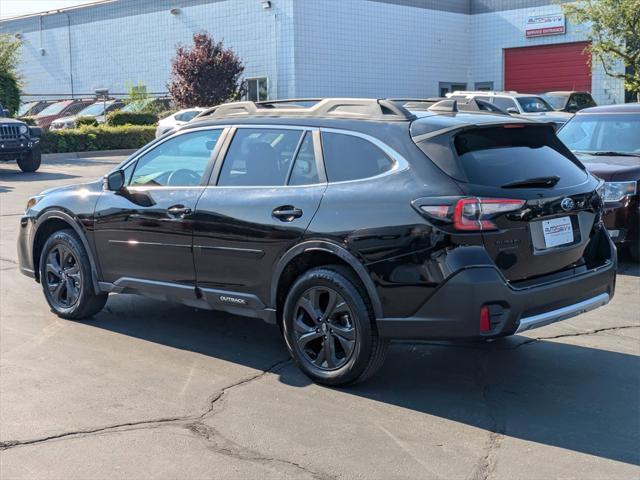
(472, 213)
(476, 213)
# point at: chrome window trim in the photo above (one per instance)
(399, 162)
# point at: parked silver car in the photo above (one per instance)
(179, 118)
(96, 110)
(532, 107)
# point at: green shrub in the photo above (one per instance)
(131, 118)
(90, 139)
(86, 121)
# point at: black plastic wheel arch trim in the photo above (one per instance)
(340, 252)
(75, 224)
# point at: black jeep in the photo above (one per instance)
(19, 142)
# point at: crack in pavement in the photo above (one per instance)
(193, 424)
(576, 334)
(151, 423)
(219, 444)
(487, 463)
(529, 341)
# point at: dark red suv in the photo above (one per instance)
(607, 141)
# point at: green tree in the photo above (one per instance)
(9, 79)
(615, 35)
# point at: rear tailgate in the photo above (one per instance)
(551, 227)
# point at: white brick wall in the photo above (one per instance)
(362, 48)
(138, 48)
(306, 48)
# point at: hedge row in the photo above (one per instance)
(119, 117)
(89, 139)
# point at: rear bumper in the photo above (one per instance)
(453, 312)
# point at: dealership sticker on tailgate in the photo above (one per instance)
(557, 231)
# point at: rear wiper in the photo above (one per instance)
(611, 154)
(538, 182)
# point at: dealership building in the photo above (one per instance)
(315, 48)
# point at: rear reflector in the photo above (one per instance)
(485, 323)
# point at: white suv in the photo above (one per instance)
(530, 106)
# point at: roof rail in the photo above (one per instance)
(349, 108)
(445, 106)
(482, 92)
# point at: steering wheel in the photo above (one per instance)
(183, 177)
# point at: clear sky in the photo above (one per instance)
(14, 8)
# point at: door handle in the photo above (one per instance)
(286, 213)
(178, 211)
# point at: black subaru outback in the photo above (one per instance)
(348, 223)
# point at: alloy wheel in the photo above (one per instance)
(63, 276)
(324, 329)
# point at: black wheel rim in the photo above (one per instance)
(63, 276)
(324, 329)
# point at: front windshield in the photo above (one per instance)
(556, 101)
(53, 109)
(534, 105)
(25, 107)
(602, 133)
(94, 110)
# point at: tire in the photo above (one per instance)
(341, 344)
(31, 162)
(65, 275)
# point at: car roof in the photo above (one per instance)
(421, 123)
(619, 108)
(481, 93)
(565, 92)
(433, 123)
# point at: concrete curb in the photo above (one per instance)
(99, 153)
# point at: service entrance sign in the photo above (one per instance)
(542, 25)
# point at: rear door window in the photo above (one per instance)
(498, 156)
(347, 157)
(260, 157)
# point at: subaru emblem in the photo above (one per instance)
(567, 204)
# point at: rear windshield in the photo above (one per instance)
(498, 156)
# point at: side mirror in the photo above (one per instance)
(512, 111)
(115, 181)
(35, 132)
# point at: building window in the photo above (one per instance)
(483, 86)
(449, 87)
(256, 89)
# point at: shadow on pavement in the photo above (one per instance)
(39, 176)
(567, 396)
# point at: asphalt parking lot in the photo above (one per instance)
(154, 390)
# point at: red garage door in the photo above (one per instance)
(547, 67)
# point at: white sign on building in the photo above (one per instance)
(542, 25)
